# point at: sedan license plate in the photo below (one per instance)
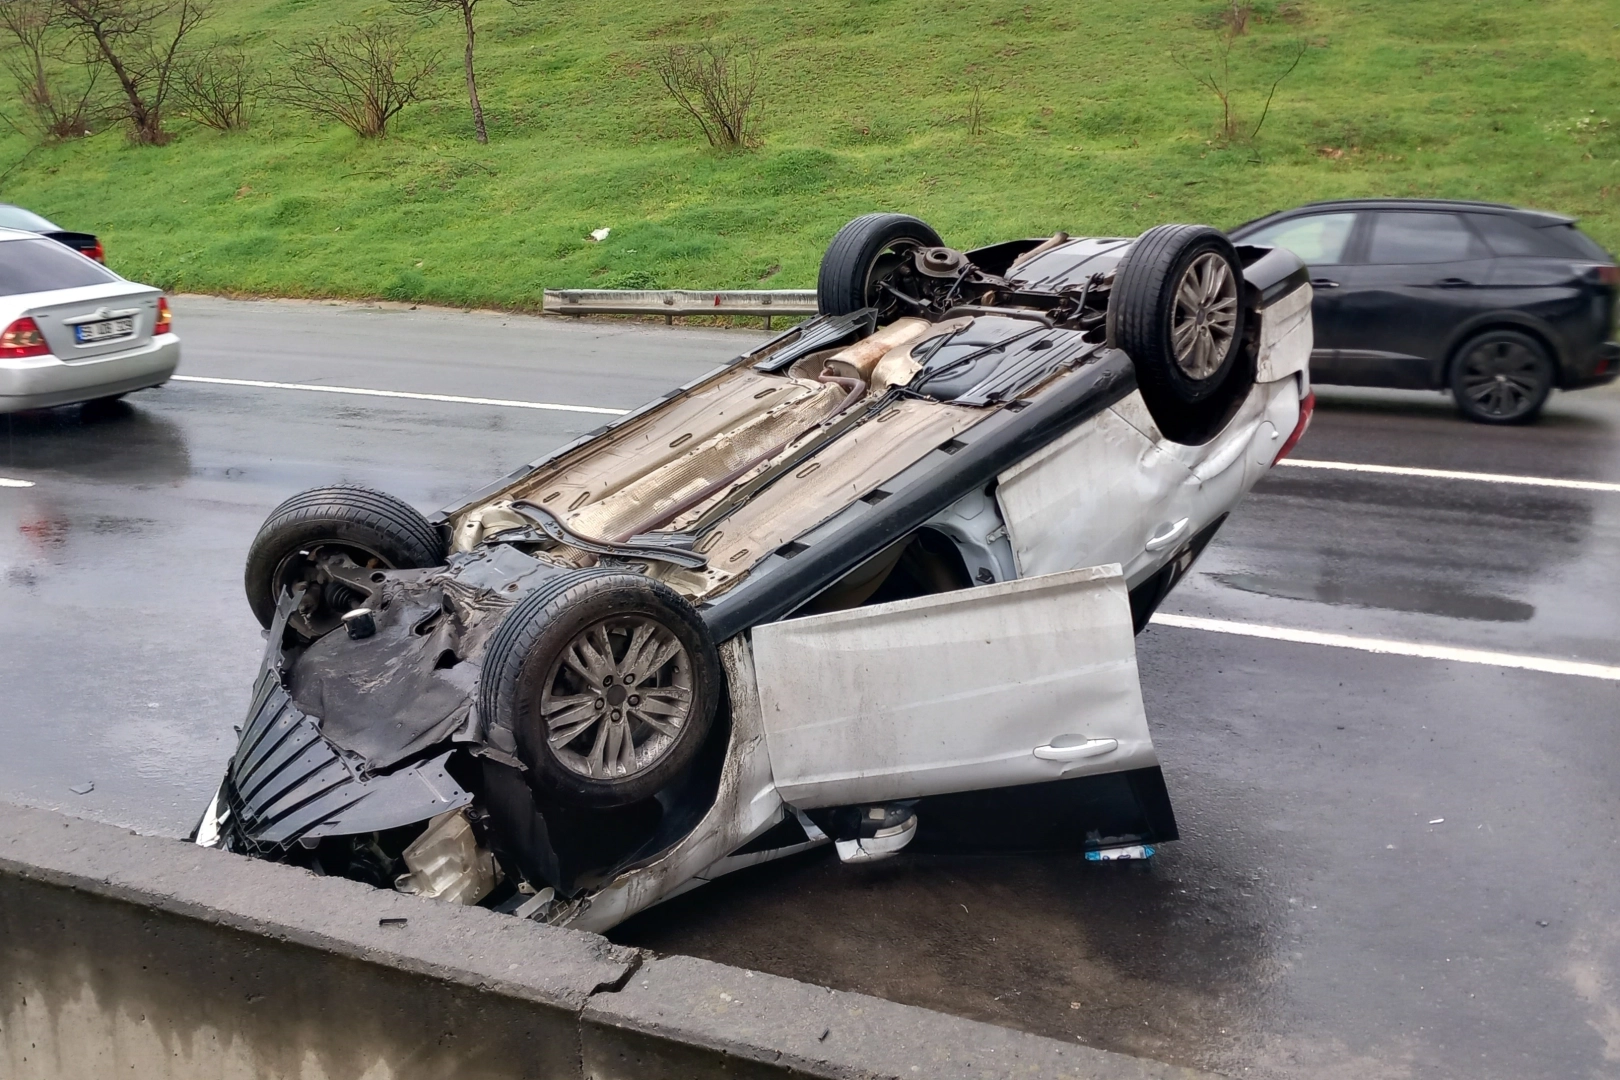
(106, 330)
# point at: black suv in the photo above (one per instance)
(1495, 303)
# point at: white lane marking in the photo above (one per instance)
(7, 482)
(1388, 647)
(454, 399)
(1452, 474)
(550, 406)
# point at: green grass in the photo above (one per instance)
(1088, 125)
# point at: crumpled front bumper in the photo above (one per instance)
(287, 783)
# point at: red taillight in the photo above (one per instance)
(22, 338)
(165, 321)
(1604, 275)
(98, 253)
(1307, 406)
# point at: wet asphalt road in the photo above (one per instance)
(1315, 920)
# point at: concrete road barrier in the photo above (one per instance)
(123, 955)
(671, 302)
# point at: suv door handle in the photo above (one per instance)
(1453, 283)
(1161, 540)
(1323, 283)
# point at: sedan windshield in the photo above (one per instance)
(28, 266)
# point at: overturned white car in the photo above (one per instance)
(874, 583)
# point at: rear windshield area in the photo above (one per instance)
(1513, 236)
(28, 266)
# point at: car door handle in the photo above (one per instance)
(1075, 748)
(1453, 283)
(1169, 535)
(1323, 283)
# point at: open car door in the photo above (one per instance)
(993, 686)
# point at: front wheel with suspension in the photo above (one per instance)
(373, 529)
(609, 682)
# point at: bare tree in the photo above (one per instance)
(715, 82)
(1215, 75)
(60, 106)
(362, 76)
(465, 10)
(140, 42)
(214, 87)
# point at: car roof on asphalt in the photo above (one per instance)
(1536, 217)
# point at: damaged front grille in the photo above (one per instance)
(287, 783)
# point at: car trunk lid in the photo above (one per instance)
(93, 320)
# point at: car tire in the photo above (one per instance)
(375, 529)
(581, 718)
(1178, 310)
(857, 257)
(1502, 377)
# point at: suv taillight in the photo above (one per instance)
(1307, 406)
(1605, 275)
(98, 253)
(22, 338)
(165, 321)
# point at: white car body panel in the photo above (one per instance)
(1012, 683)
(1286, 338)
(1115, 488)
(1098, 494)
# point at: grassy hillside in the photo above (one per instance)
(1087, 122)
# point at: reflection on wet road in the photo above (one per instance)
(1390, 866)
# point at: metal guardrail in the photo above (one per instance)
(766, 303)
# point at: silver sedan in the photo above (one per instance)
(74, 331)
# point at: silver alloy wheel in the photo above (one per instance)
(1205, 316)
(1503, 379)
(616, 700)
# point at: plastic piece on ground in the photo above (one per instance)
(1128, 853)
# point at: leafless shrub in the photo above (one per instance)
(975, 113)
(363, 75)
(715, 82)
(60, 97)
(1214, 73)
(215, 87)
(140, 42)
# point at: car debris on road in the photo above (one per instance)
(874, 584)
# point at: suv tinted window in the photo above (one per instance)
(1411, 237)
(1318, 240)
(41, 265)
(1512, 236)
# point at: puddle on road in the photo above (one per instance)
(1389, 596)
